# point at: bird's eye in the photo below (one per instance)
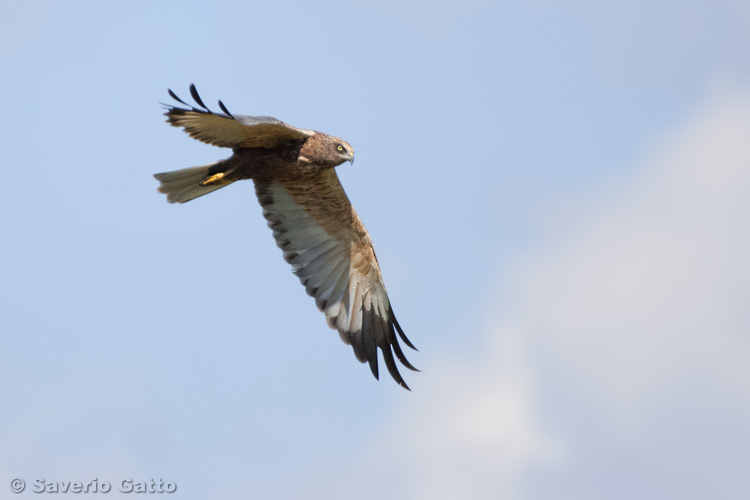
(340, 147)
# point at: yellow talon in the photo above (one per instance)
(213, 179)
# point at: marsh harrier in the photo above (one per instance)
(312, 219)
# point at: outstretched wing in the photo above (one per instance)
(331, 252)
(227, 130)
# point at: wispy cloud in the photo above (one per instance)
(645, 286)
(636, 316)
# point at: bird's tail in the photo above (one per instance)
(190, 183)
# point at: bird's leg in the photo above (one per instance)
(209, 181)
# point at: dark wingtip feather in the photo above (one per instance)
(197, 98)
(371, 351)
(225, 110)
(393, 369)
(400, 331)
(400, 355)
(174, 96)
(374, 367)
(370, 325)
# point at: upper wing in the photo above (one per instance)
(227, 130)
(331, 252)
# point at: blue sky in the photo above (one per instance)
(558, 197)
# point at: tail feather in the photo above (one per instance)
(185, 185)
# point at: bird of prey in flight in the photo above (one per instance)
(313, 222)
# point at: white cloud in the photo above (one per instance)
(468, 431)
(635, 314)
(648, 289)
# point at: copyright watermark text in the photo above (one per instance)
(95, 485)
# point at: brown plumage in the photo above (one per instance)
(312, 219)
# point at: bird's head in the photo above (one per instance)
(326, 150)
(340, 150)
